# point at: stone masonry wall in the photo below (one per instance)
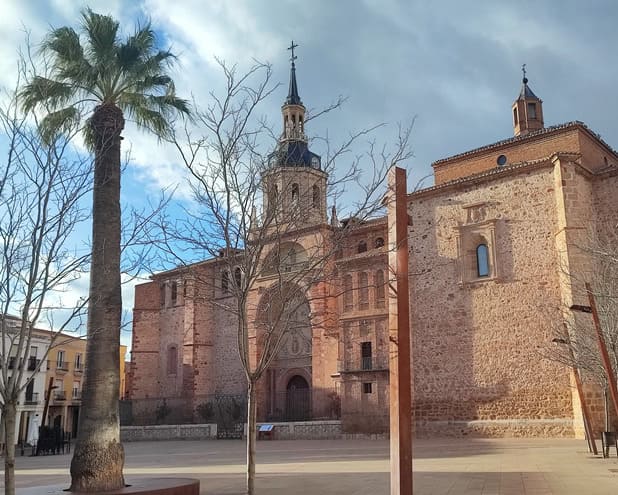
(145, 356)
(478, 345)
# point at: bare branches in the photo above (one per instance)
(259, 214)
(575, 335)
(43, 184)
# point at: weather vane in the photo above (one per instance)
(291, 47)
(523, 70)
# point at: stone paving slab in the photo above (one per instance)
(343, 467)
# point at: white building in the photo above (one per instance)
(32, 399)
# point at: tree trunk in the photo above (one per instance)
(99, 457)
(251, 437)
(9, 414)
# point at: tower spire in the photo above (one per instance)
(527, 109)
(293, 98)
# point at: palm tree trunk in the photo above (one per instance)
(9, 415)
(251, 436)
(99, 457)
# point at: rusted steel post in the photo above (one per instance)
(582, 400)
(611, 377)
(592, 446)
(399, 336)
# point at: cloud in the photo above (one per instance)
(455, 65)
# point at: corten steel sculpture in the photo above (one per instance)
(399, 336)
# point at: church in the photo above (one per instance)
(493, 245)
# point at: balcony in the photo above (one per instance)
(31, 399)
(60, 395)
(33, 363)
(77, 395)
(79, 368)
(368, 363)
(62, 366)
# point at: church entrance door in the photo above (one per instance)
(298, 399)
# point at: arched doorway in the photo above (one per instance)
(284, 318)
(297, 399)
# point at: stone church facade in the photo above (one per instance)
(491, 244)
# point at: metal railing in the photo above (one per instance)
(32, 363)
(229, 410)
(60, 395)
(32, 398)
(368, 363)
(77, 394)
(62, 365)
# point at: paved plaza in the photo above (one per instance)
(359, 467)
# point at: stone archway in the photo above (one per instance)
(285, 390)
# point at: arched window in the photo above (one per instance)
(172, 360)
(348, 297)
(315, 200)
(238, 277)
(290, 260)
(363, 290)
(225, 281)
(362, 246)
(380, 289)
(174, 293)
(273, 198)
(482, 260)
(379, 242)
(295, 194)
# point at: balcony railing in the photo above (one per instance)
(62, 365)
(369, 363)
(60, 395)
(77, 394)
(32, 398)
(33, 363)
(79, 368)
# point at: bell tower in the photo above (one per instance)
(294, 183)
(527, 109)
(293, 110)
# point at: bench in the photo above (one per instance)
(266, 431)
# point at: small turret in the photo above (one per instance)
(527, 109)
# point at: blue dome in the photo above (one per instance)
(294, 154)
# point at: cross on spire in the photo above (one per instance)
(523, 71)
(291, 47)
(293, 98)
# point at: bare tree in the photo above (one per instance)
(252, 208)
(42, 185)
(578, 345)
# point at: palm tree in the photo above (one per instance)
(109, 78)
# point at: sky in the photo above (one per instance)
(452, 66)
